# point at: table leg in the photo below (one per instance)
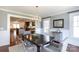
(38, 48)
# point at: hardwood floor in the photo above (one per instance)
(72, 48)
(4, 48)
(14, 40)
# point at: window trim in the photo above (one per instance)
(46, 19)
(71, 22)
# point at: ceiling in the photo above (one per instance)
(42, 11)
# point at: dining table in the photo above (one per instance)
(38, 40)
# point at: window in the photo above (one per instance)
(46, 28)
(46, 25)
(75, 26)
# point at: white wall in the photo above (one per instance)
(4, 38)
(4, 33)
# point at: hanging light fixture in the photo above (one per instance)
(36, 6)
(36, 17)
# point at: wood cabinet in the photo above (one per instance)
(30, 26)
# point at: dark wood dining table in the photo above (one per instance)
(39, 42)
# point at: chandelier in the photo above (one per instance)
(37, 13)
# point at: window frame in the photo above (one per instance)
(71, 24)
(46, 19)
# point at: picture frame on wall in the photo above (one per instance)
(58, 23)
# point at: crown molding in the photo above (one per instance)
(11, 11)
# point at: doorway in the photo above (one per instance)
(14, 30)
(15, 23)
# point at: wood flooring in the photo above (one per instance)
(72, 48)
(4, 48)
